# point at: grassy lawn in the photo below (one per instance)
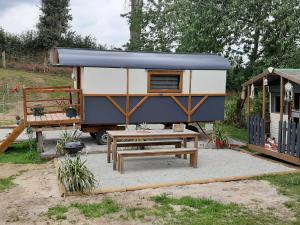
(188, 210)
(236, 133)
(21, 153)
(6, 183)
(288, 185)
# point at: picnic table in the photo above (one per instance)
(115, 136)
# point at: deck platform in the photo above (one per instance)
(51, 119)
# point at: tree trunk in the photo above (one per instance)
(135, 24)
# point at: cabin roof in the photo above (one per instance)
(138, 60)
(273, 74)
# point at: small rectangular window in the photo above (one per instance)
(165, 81)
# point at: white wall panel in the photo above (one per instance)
(138, 81)
(186, 82)
(104, 81)
(208, 81)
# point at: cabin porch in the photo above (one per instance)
(47, 106)
(276, 131)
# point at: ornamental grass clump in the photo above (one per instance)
(75, 176)
(66, 136)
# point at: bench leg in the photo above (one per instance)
(184, 145)
(121, 164)
(178, 146)
(194, 159)
(108, 149)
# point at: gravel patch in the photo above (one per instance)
(212, 163)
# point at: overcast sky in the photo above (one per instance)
(100, 18)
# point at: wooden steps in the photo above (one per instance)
(11, 137)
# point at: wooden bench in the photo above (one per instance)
(193, 152)
(176, 142)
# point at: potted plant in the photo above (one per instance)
(219, 137)
(38, 110)
(71, 112)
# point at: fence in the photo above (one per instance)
(289, 138)
(256, 130)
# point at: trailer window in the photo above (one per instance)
(165, 81)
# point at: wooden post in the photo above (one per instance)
(40, 141)
(281, 98)
(190, 98)
(248, 100)
(127, 97)
(264, 99)
(3, 60)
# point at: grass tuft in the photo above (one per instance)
(94, 210)
(20, 153)
(57, 212)
(6, 183)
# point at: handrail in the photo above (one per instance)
(61, 89)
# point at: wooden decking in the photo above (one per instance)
(275, 154)
(51, 119)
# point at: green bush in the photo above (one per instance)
(75, 176)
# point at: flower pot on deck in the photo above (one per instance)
(71, 112)
(38, 110)
(220, 144)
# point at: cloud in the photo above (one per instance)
(19, 18)
(6, 4)
(98, 18)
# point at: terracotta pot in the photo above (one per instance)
(220, 144)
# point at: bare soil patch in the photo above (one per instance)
(36, 190)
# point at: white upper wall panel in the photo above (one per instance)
(104, 81)
(138, 81)
(209, 81)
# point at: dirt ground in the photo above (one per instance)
(36, 190)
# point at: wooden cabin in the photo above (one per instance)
(276, 131)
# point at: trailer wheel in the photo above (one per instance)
(101, 137)
(93, 134)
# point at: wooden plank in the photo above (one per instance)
(298, 142)
(281, 98)
(288, 142)
(283, 143)
(282, 156)
(293, 139)
(138, 105)
(154, 152)
(248, 100)
(280, 136)
(149, 143)
(264, 99)
(262, 138)
(199, 104)
(116, 105)
(180, 105)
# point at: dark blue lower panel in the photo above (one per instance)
(212, 109)
(158, 109)
(99, 110)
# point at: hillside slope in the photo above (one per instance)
(10, 106)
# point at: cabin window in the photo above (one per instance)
(165, 81)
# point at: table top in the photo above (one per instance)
(151, 133)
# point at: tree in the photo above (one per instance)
(53, 22)
(2, 39)
(135, 24)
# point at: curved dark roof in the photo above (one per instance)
(139, 60)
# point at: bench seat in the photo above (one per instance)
(149, 143)
(193, 152)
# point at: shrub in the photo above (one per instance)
(66, 136)
(75, 176)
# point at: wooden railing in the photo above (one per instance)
(52, 99)
(289, 138)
